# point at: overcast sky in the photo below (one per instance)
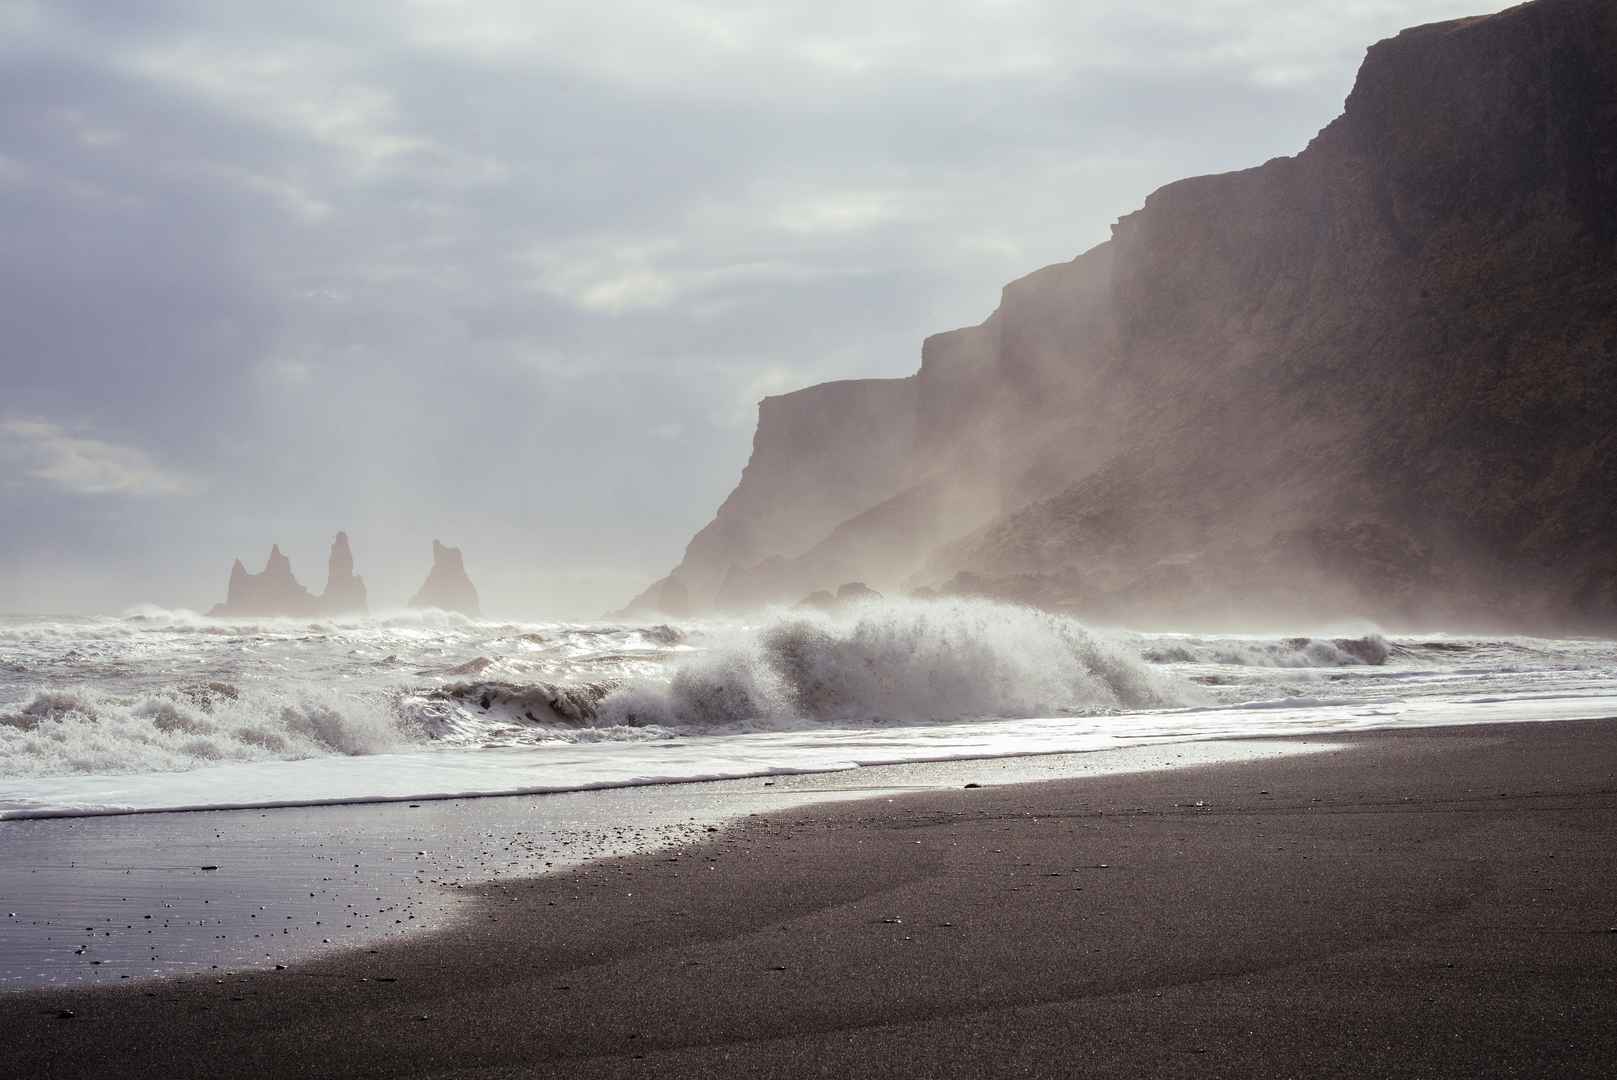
(514, 273)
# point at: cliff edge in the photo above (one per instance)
(1376, 379)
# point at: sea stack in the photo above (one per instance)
(447, 587)
(275, 592)
(272, 591)
(345, 590)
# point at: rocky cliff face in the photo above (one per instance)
(820, 455)
(1378, 378)
(447, 587)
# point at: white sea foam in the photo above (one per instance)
(107, 713)
(81, 729)
(299, 689)
(895, 662)
(1296, 652)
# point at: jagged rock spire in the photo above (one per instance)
(275, 591)
(345, 590)
(447, 586)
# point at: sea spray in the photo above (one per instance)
(886, 662)
(158, 691)
(894, 662)
(87, 730)
(1371, 650)
(168, 709)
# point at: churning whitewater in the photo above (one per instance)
(169, 710)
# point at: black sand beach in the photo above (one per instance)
(1440, 902)
(113, 898)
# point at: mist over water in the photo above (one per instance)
(167, 708)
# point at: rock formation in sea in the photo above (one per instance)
(1378, 378)
(345, 590)
(271, 592)
(275, 592)
(447, 587)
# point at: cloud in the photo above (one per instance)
(12, 174)
(84, 466)
(521, 271)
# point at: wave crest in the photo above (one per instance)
(84, 730)
(1299, 652)
(895, 662)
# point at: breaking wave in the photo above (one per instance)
(894, 662)
(85, 730)
(320, 695)
(1299, 652)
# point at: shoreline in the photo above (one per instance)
(1430, 902)
(858, 768)
(374, 779)
(327, 874)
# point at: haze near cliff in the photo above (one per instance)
(1371, 380)
(518, 275)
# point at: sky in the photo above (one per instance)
(514, 274)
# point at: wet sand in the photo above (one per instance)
(1440, 902)
(88, 900)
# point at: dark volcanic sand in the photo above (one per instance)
(86, 900)
(1440, 902)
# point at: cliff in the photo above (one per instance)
(819, 455)
(275, 592)
(447, 587)
(1378, 378)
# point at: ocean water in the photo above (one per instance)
(161, 710)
